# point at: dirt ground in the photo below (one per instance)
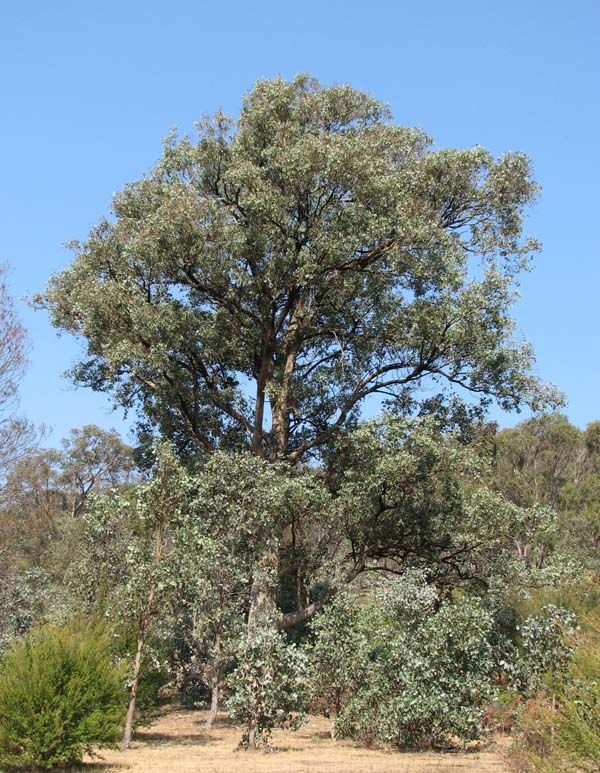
(178, 741)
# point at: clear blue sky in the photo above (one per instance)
(88, 90)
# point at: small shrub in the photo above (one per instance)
(547, 644)
(425, 685)
(60, 696)
(336, 665)
(559, 728)
(268, 685)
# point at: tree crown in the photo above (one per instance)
(263, 281)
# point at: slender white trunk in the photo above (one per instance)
(137, 667)
(214, 702)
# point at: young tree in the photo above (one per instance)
(268, 685)
(239, 510)
(158, 503)
(337, 661)
(124, 566)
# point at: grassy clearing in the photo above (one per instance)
(178, 742)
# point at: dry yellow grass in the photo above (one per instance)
(177, 742)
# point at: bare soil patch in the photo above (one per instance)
(178, 742)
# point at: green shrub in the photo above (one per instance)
(337, 663)
(60, 696)
(578, 725)
(559, 728)
(415, 672)
(268, 685)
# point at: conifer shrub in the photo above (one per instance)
(61, 696)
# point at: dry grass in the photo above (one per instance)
(178, 742)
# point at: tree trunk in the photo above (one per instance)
(146, 618)
(252, 734)
(214, 701)
(263, 595)
(137, 667)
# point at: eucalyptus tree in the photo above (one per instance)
(266, 279)
(46, 489)
(547, 460)
(263, 281)
(93, 459)
(580, 502)
(535, 459)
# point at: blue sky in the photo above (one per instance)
(88, 90)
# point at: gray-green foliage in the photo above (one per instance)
(411, 496)
(269, 685)
(227, 545)
(43, 496)
(262, 281)
(23, 598)
(419, 670)
(254, 290)
(548, 462)
(232, 518)
(558, 728)
(547, 643)
(124, 569)
(17, 436)
(337, 665)
(537, 457)
(120, 534)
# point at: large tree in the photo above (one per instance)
(535, 459)
(263, 281)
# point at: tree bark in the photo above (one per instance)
(143, 627)
(214, 698)
(252, 734)
(262, 595)
(137, 667)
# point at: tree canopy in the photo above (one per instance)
(265, 279)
